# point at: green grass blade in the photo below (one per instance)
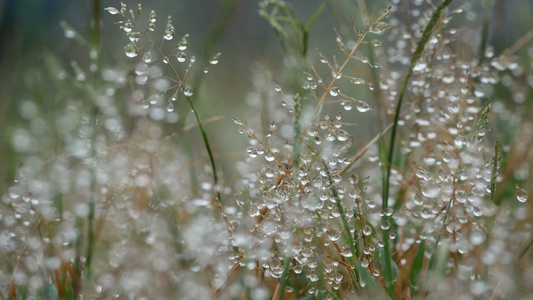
(416, 55)
(283, 282)
(315, 16)
(418, 263)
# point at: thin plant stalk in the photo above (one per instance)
(484, 32)
(94, 48)
(345, 222)
(385, 203)
(283, 281)
(493, 177)
(200, 124)
(211, 159)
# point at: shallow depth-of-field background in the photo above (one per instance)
(114, 122)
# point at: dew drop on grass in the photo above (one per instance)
(145, 104)
(362, 107)
(134, 36)
(181, 57)
(170, 107)
(277, 88)
(215, 58)
(346, 252)
(168, 35)
(365, 263)
(112, 10)
(367, 230)
(184, 42)
(141, 68)
(334, 235)
(69, 33)
(131, 50)
(147, 57)
(269, 157)
(334, 91)
(188, 91)
(477, 237)
(127, 27)
(521, 194)
(347, 105)
(385, 225)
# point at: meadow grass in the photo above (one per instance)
(419, 192)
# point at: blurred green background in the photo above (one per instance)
(29, 30)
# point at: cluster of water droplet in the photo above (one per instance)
(302, 211)
(148, 67)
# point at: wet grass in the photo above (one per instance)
(419, 192)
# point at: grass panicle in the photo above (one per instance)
(121, 192)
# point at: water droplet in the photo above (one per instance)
(347, 252)
(131, 50)
(147, 57)
(379, 27)
(343, 136)
(181, 57)
(277, 88)
(425, 213)
(334, 235)
(170, 107)
(153, 17)
(448, 79)
(134, 36)
(334, 91)
(362, 106)
(477, 237)
(145, 104)
(141, 68)
(174, 97)
(112, 10)
(298, 269)
(357, 81)
(420, 67)
(269, 157)
(127, 27)
(214, 59)
(367, 230)
(313, 276)
(184, 42)
(169, 31)
(385, 225)
(187, 91)
(365, 263)
(521, 194)
(168, 35)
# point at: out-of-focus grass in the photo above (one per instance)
(53, 102)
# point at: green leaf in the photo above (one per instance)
(418, 263)
(394, 266)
